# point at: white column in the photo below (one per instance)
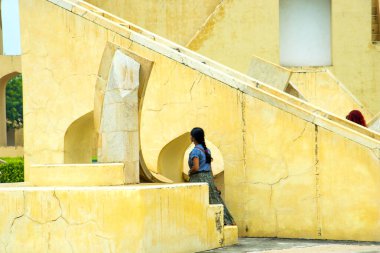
(119, 133)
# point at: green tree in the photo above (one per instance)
(14, 102)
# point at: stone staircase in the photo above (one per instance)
(375, 20)
(246, 84)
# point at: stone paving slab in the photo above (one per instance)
(275, 245)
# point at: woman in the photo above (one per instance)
(200, 170)
(357, 117)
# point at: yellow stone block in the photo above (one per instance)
(215, 224)
(230, 235)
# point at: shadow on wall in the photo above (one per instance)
(173, 160)
(80, 140)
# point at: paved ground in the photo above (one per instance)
(274, 245)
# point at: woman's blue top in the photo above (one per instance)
(198, 151)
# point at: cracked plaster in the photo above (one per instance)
(265, 113)
(70, 219)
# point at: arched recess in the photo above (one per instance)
(3, 112)
(172, 160)
(80, 140)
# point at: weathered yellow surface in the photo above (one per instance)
(279, 174)
(351, 184)
(269, 73)
(238, 30)
(243, 28)
(321, 88)
(230, 235)
(270, 142)
(356, 61)
(323, 183)
(64, 90)
(175, 218)
(176, 20)
(103, 174)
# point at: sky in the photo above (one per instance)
(11, 27)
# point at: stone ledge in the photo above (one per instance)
(12, 151)
(104, 174)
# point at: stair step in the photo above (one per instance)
(375, 28)
(374, 10)
(376, 37)
(375, 19)
(374, 3)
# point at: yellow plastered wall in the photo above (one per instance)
(356, 61)
(60, 68)
(176, 20)
(239, 29)
(271, 157)
(320, 88)
(151, 219)
(297, 172)
(246, 28)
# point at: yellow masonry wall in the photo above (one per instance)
(146, 219)
(175, 20)
(283, 175)
(239, 29)
(246, 28)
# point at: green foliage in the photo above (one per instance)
(14, 102)
(12, 171)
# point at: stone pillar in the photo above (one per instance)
(118, 130)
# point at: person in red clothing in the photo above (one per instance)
(357, 117)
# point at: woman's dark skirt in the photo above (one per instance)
(214, 196)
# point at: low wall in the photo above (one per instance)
(144, 218)
(11, 151)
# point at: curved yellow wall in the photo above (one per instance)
(80, 140)
(170, 159)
